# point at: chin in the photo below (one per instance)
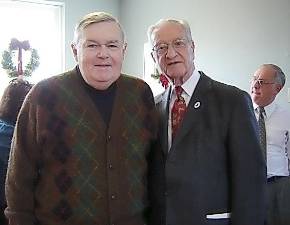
(175, 74)
(257, 101)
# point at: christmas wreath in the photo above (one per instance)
(7, 59)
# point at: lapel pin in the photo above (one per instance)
(196, 105)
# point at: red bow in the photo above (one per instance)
(164, 81)
(19, 45)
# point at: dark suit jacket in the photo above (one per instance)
(215, 164)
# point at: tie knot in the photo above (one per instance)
(261, 110)
(178, 91)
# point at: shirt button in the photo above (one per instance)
(113, 197)
(109, 137)
(110, 166)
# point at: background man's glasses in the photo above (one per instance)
(177, 44)
(262, 82)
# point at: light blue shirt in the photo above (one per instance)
(277, 123)
(6, 133)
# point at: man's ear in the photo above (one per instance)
(124, 49)
(192, 45)
(75, 51)
(278, 88)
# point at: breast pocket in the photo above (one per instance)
(218, 222)
(218, 219)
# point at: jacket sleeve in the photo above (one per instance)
(248, 167)
(6, 132)
(22, 170)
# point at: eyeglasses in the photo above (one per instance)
(177, 44)
(261, 82)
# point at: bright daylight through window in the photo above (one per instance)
(40, 23)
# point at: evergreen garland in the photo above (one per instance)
(11, 69)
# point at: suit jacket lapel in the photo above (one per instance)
(194, 109)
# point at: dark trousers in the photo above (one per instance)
(278, 201)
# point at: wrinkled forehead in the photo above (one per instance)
(102, 31)
(168, 31)
(265, 73)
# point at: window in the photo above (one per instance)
(149, 69)
(39, 22)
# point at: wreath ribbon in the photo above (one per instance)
(19, 45)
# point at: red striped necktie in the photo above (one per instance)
(178, 111)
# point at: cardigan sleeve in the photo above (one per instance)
(22, 169)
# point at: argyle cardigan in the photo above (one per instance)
(67, 167)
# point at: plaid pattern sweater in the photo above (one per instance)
(67, 167)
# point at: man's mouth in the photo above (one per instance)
(173, 63)
(256, 93)
(103, 65)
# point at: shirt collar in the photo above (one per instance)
(269, 109)
(189, 85)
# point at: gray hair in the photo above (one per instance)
(280, 77)
(180, 22)
(95, 17)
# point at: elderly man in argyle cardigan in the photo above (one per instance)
(79, 153)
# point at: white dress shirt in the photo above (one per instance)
(277, 122)
(188, 89)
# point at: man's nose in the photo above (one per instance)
(103, 51)
(256, 84)
(171, 52)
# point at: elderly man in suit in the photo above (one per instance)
(211, 169)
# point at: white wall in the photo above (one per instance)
(232, 37)
(74, 10)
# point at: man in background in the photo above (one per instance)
(79, 152)
(274, 127)
(10, 104)
(214, 169)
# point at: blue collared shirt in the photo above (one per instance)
(277, 135)
(6, 133)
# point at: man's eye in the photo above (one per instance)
(92, 46)
(112, 46)
(179, 43)
(162, 47)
